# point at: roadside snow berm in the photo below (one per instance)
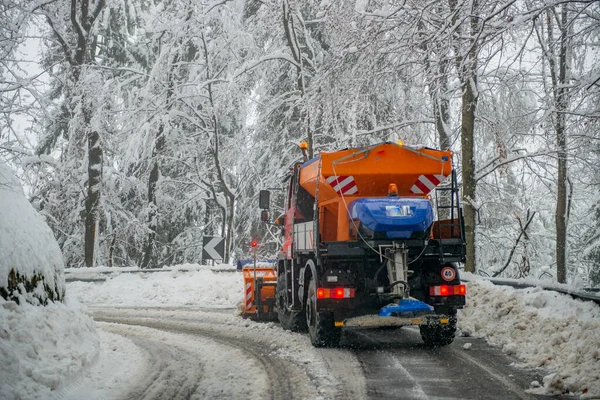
(31, 262)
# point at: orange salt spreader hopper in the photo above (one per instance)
(337, 178)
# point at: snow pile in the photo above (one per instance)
(110, 375)
(544, 328)
(42, 348)
(180, 286)
(27, 245)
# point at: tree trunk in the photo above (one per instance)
(152, 221)
(439, 97)
(438, 88)
(223, 221)
(228, 210)
(466, 65)
(228, 238)
(92, 202)
(82, 20)
(159, 145)
(561, 140)
(561, 209)
(294, 45)
(469, 103)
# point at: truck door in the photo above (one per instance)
(291, 213)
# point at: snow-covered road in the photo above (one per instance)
(201, 353)
(397, 365)
(209, 353)
(370, 364)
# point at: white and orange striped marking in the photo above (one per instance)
(344, 185)
(248, 296)
(426, 183)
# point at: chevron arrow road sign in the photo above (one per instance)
(213, 248)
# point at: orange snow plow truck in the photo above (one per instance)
(371, 237)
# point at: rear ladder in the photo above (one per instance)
(450, 219)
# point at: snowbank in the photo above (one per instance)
(27, 245)
(42, 348)
(187, 285)
(543, 328)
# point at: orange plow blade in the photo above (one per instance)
(259, 293)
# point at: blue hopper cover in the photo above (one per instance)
(397, 217)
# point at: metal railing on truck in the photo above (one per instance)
(449, 226)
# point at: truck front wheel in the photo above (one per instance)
(439, 335)
(321, 325)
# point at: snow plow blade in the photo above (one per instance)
(377, 321)
(407, 312)
(259, 293)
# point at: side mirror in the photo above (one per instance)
(264, 215)
(263, 199)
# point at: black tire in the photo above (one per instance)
(289, 320)
(439, 335)
(321, 325)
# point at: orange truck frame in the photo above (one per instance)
(371, 237)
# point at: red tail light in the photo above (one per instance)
(320, 293)
(335, 293)
(448, 290)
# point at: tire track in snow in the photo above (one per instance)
(164, 377)
(183, 366)
(341, 366)
(346, 369)
(285, 380)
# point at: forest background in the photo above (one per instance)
(140, 126)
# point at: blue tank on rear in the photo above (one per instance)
(391, 217)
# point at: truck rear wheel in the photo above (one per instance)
(290, 320)
(439, 335)
(321, 325)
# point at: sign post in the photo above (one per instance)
(254, 245)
